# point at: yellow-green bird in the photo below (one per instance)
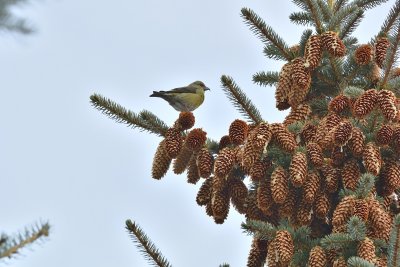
(186, 98)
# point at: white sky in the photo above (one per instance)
(63, 161)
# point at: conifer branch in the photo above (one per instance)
(358, 262)
(122, 115)
(316, 14)
(264, 229)
(391, 18)
(303, 40)
(10, 246)
(394, 243)
(325, 9)
(268, 78)
(341, 16)
(351, 24)
(367, 4)
(149, 250)
(301, 18)
(339, 4)
(265, 32)
(392, 55)
(273, 52)
(240, 100)
(335, 240)
(154, 122)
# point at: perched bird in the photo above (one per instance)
(186, 98)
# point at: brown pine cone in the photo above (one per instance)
(387, 104)
(333, 44)
(193, 172)
(313, 52)
(314, 153)
(384, 135)
(338, 155)
(375, 73)
(331, 178)
(391, 176)
(363, 54)
(182, 160)
(258, 253)
(342, 133)
(317, 257)
(260, 169)
(279, 185)
(380, 221)
(361, 209)
(238, 192)
(396, 138)
(205, 163)
(204, 194)
(372, 158)
(356, 142)
(173, 142)
(298, 169)
(350, 174)
(300, 75)
(297, 95)
(395, 73)
(283, 137)
(196, 139)
(308, 133)
(299, 113)
(220, 206)
(322, 205)
(340, 262)
(303, 214)
(284, 246)
(264, 197)
(238, 132)
(254, 145)
(381, 46)
(224, 142)
(185, 121)
(272, 255)
(343, 211)
(311, 187)
(224, 162)
(161, 162)
(262, 135)
(284, 87)
(365, 103)
(339, 104)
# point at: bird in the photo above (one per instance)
(186, 98)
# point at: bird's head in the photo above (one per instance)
(201, 85)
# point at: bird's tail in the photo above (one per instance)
(156, 94)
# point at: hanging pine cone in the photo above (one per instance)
(298, 169)
(308, 133)
(396, 138)
(182, 160)
(173, 142)
(342, 133)
(224, 142)
(287, 208)
(338, 155)
(299, 113)
(313, 52)
(284, 246)
(262, 136)
(193, 172)
(339, 104)
(255, 143)
(283, 137)
(300, 75)
(363, 54)
(224, 162)
(372, 158)
(220, 206)
(381, 46)
(258, 253)
(264, 197)
(343, 211)
(384, 135)
(340, 262)
(391, 176)
(395, 73)
(314, 153)
(238, 192)
(333, 44)
(284, 87)
(317, 257)
(387, 104)
(380, 221)
(161, 161)
(311, 187)
(279, 185)
(350, 174)
(260, 169)
(375, 74)
(196, 139)
(204, 194)
(303, 213)
(238, 132)
(322, 205)
(365, 103)
(205, 163)
(356, 142)
(361, 209)
(331, 178)
(272, 255)
(297, 95)
(185, 121)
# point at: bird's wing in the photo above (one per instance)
(186, 89)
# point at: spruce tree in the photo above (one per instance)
(324, 183)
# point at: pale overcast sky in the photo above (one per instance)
(63, 161)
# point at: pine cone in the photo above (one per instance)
(284, 246)
(182, 160)
(365, 103)
(317, 257)
(351, 174)
(224, 142)
(343, 211)
(340, 262)
(314, 153)
(238, 192)
(338, 155)
(279, 185)
(380, 221)
(297, 95)
(299, 113)
(391, 176)
(361, 209)
(283, 137)
(313, 52)
(332, 43)
(185, 121)
(262, 136)
(161, 161)
(342, 133)
(254, 145)
(384, 135)
(311, 187)
(375, 74)
(264, 197)
(193, 172)
(395, 73)
(303, 214)
(308, 134)
(238, 132)
(339, 104)
(220, 206)
(298, 169)
(287, 208)
(272, 255)
(322, 205)
(387, 104)
(396, 139)
(260, 169)
(204, 194)
(253, 212)
(363, 54)
(331, 178)
(173, 142)
(258, 253)
(284, 87)
(372, 158)
(356, 142)
(196, 139)
(300, 75)
(224, 162)
(205, 163)
(381, 46)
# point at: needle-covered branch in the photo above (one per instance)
(391, 18)
(266, 78)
